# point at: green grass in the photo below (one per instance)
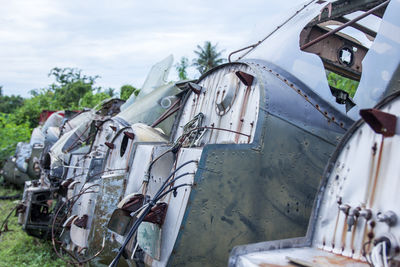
(16, 247)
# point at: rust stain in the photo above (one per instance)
(344, 232)
(365, 233)
(372, 198)
(336, 260)
(353, 234)
(242, 112)
(275, 265)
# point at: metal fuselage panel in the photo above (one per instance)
(364, 178)
(247, 193)
(356, 209)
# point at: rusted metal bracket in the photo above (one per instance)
(195, 88)
(245, 78)
(134, 203)
(109, 145)
(381, 122)
(157, 214)
(67, 182)
(129, 135)
(82, 221)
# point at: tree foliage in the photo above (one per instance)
(208, 57)
(181, 68)
(10, 134)
(127, 90)
(70, 86)
(9, 104)
(343, 83)
(71, 90)
(90, 100)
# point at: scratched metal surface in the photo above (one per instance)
(362, 177)
(293, 257)
(248, 193)
(176, 207)
(241, 115)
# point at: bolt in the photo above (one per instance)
(366, 214)
(374, 148)
(389, 217)
(345, 208)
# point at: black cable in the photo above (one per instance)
(10, 197)
(151, 204)
(130, 234)
(6, 220)
(166, 183)
(171, 190)
(176, 178)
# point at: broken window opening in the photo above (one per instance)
(341, 36)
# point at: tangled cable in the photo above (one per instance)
(160, 194)
(73, 199)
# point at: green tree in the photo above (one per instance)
(90, 100)
(70, 86)
(66, 92)
(342, 83)
(110, 91)
(41, 99)
(207, 57)
(10, 134)
(9, 104)
(126, 91)
(181, 67)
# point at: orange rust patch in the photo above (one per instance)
(336, 260)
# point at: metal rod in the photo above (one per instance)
(251, 47)
(322, 37)
(165, 115)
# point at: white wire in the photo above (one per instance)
(384, 256)
(141, 208)
(376, 259)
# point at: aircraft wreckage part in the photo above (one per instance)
(149, 108)
(227, 200)
(110, 178)
(239, 137)
(355, 219)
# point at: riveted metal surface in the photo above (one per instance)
(245, 195)
(355, 209)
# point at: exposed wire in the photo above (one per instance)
(77, 196)
(10, 197)
(172, 189)
(4, 224)
(253, 46)
(143, 214)
(176, 178)
(184, 135)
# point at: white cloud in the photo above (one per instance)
(118, 40)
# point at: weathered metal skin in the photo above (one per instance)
(41, 197)
(260, 125)
(249, 141)
(355, 209)
(265, 197)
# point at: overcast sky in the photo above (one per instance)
(120, 40)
